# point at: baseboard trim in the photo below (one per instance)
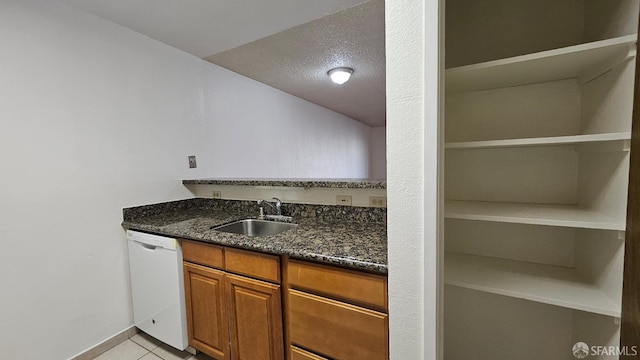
(106, 345)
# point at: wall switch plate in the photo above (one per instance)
(343, 200)
(192, 162)
(377, 201)
(216, 194)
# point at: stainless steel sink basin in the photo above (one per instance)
(255, 227)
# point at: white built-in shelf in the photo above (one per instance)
(541, 283)
(534, 214)
(584, 61)
(615, 139)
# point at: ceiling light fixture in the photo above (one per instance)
(340, 75)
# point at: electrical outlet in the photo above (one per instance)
(216, 194)
(343, 200)
(192, 162)
(377, 201)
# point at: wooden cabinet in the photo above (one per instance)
(256, 265)
(336, 313)
(368, 290)
(538, 122)
(231, 316)
(336, 329)
(206, 310)
(255, 319)
(235, 307)
(203, 254)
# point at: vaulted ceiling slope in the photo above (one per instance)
(297, 60)
(287, 44)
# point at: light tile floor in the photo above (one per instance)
(143, 347)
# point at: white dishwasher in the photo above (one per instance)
(157, 287)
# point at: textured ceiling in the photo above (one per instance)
(265, 40)
(297, 60)
(206, 27)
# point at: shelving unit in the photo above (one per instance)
(618, 140)
(536, 175)
(541, 283)
(534, 214)
(584, 61)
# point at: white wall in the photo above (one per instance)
(276, 135)
(378, 153)
(486, 30)
(93, 118)
(414, 177)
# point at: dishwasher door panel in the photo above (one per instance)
(157, 285)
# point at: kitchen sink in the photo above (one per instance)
(255, 227)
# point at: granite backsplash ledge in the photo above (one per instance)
(304, 183)
(251, 209)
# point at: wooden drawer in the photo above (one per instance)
(202, 253)
(356, 287)
(253, 264)
(299, 354)
(336, 329)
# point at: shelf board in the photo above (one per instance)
(557, 64)
(543, 141)
(541, 283)
(534, 214)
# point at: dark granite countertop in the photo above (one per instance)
(306, 183)
(344, 236)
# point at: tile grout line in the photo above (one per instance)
(107, 344)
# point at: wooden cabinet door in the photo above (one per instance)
(207, 320)
(255, 319)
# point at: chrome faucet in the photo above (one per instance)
(276, 206)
